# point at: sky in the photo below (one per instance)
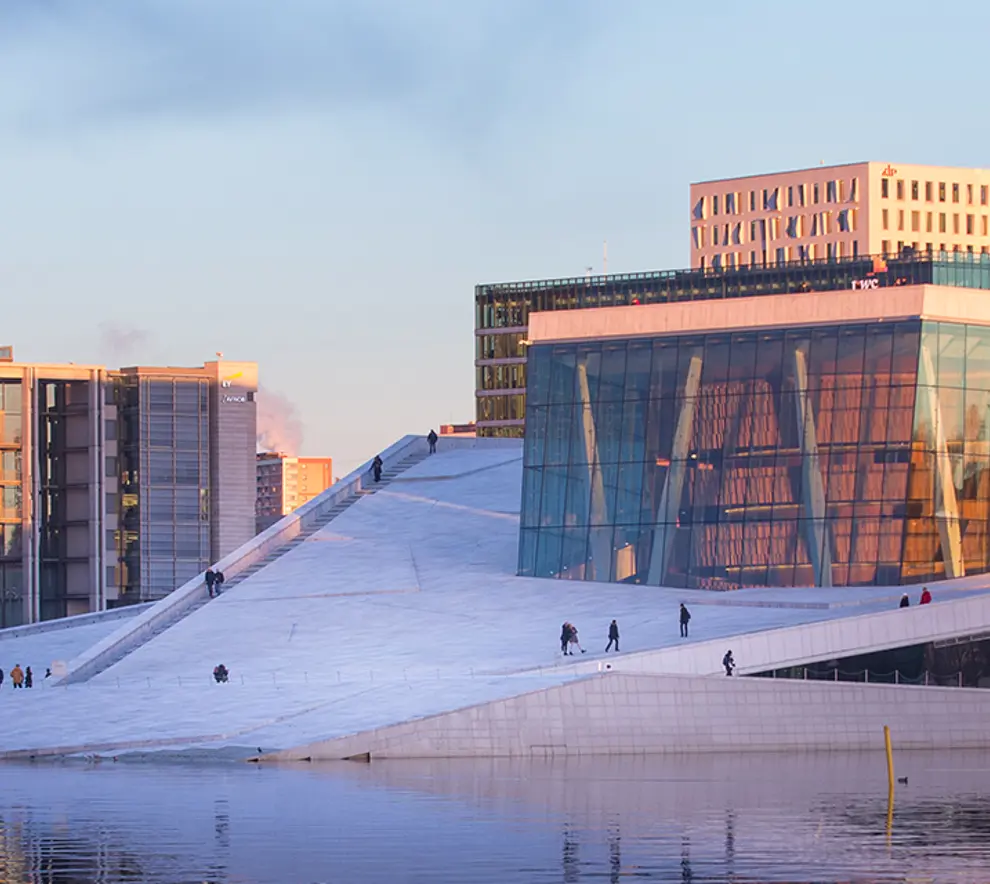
(318, 185)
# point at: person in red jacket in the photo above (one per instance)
(926, 596)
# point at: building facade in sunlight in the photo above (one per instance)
(286, 483)
(763, 234)
(830, 438)
(119, 485)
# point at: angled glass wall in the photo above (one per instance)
(843, 455)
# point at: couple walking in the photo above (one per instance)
(569, 639)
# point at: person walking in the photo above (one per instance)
(905, 601)
(573, 640)
(376, 468)
(218, 580)
(729, 662)
(221, 674)
(926, 596)
(432, 439)
(210, 579)
(28, 678)
(613, 636)
(565, 637)
(17, 676)
(685, 619)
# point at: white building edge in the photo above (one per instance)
(387, 621)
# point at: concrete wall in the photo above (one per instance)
(615, 713)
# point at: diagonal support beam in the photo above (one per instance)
(812, 487)
(600, 545)
(673, 487)
(946, 503)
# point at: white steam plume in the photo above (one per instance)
(279, 424)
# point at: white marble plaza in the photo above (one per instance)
(405, 606)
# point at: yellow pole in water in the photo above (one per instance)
(890, 757)
(890, 782)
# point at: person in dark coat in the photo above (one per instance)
(28, 678)
(210, 579)
(613, 636)
(926, 596)
(432, 439)
(565, 637)
(218, 581)
(1, 676)
(376, 468)
(220, 673)
(729, 662)
(905, 601)
(685, 619)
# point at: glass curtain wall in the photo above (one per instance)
(792, 457)
(11, 569)
(175, 478)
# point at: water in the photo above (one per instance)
(748, 818)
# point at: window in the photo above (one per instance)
(885, 219)
(731, 204)
(969, 194)
(916, 220)
(885, 246)
(885, 187)
(928, 222)
(983, 194)
(802, 195)
(831, 195)
(752, 200)
(900, 219)
(928, 191)
(900, 189)
(955, 193)
(715, 241)
(941, 191)
(816, 194)
(854, 189)
(941, 223)
(914, 190)
(970, 225)
(111, 430)
(111, 466)
(928, 247)
(752, 259)
(715, 204)
(790, 196)
(955, 223)
(984, 220)
(855, 247)
(752, 231)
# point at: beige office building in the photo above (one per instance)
(119, 485)
(830, 212)
(286, 483)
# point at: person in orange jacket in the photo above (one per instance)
(17, 676)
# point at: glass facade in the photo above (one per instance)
(502, 309)
(165, 478)
(11, 569)
(840, 455)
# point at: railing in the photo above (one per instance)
(181, 601)
(927, 678)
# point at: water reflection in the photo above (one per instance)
(742, 819)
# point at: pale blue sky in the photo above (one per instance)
(318, 185)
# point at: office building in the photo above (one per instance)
(810, 230)
(830, 212)
(119, 485)
(830, 439)
(286, 483)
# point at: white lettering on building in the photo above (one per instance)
(866, 283)
(234, 399)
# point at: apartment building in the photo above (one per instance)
(286, 483)
(116, 486)
(832, 212)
